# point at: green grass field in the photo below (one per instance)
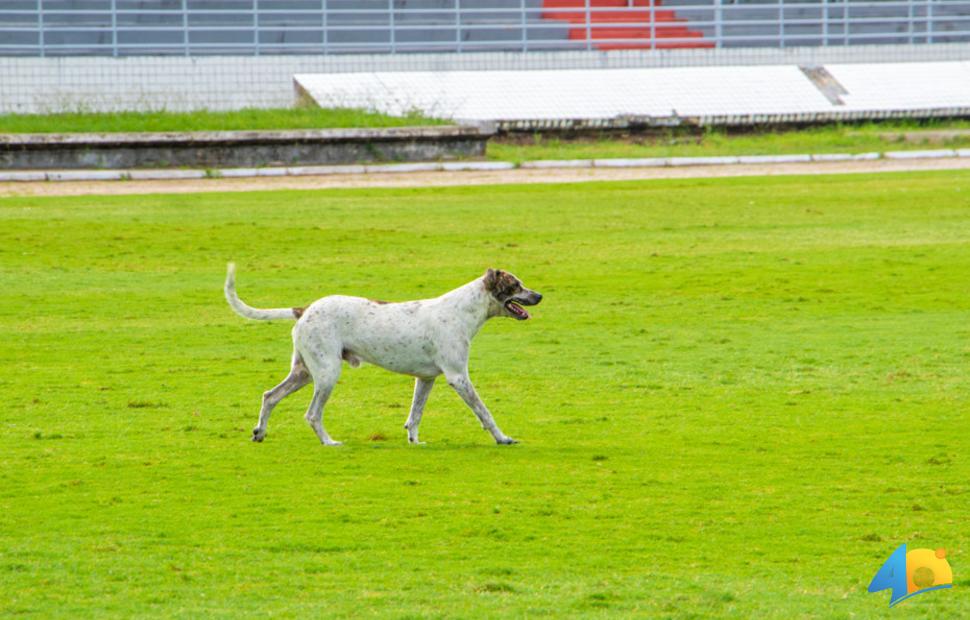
(832, 138)
(302, 117)
(738, 397)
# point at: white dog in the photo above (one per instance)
(423, 338)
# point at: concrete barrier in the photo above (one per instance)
(242, 149)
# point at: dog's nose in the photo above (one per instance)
(538, 297)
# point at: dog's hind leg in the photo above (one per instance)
(297, 378)
(422, 387)
(325, 374)
(463, 385)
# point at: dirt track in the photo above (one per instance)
(429, 179)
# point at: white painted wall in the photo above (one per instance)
(773, 93)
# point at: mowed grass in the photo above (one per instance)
(738, 397)
(831, 138)
(251, 119)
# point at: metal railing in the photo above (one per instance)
(266, 27)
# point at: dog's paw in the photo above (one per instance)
(333, 443)
(259, 435)
(506, 441)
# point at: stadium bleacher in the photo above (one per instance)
(247, 27)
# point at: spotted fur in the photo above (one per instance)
(425, 339)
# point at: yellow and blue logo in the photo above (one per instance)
(911, 573)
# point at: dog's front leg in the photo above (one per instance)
(463, 385)
(422, 388)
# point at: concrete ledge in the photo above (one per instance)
(478, 165)
(87, 175)
(701, 161)
(312, 170)
(152, 175)
(241, 148)
(398, 168)
(773, 159)
(832, 157)
(642, 162)
(558, 163)
(23, 176)
(936, 154)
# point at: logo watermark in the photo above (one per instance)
(909, 573)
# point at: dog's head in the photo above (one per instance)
(509, 294)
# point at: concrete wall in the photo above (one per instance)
(40, 85)
(241, 148)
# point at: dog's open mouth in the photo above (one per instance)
(517, 311)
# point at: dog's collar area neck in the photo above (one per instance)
(495, 306)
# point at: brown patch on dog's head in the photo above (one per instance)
(298, 312)
(380, 301)
(501, 284)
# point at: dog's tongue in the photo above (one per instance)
(519, 310)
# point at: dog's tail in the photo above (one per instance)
(249, 312)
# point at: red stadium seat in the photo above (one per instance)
(622, 24)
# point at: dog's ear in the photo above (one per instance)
(492, 277)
